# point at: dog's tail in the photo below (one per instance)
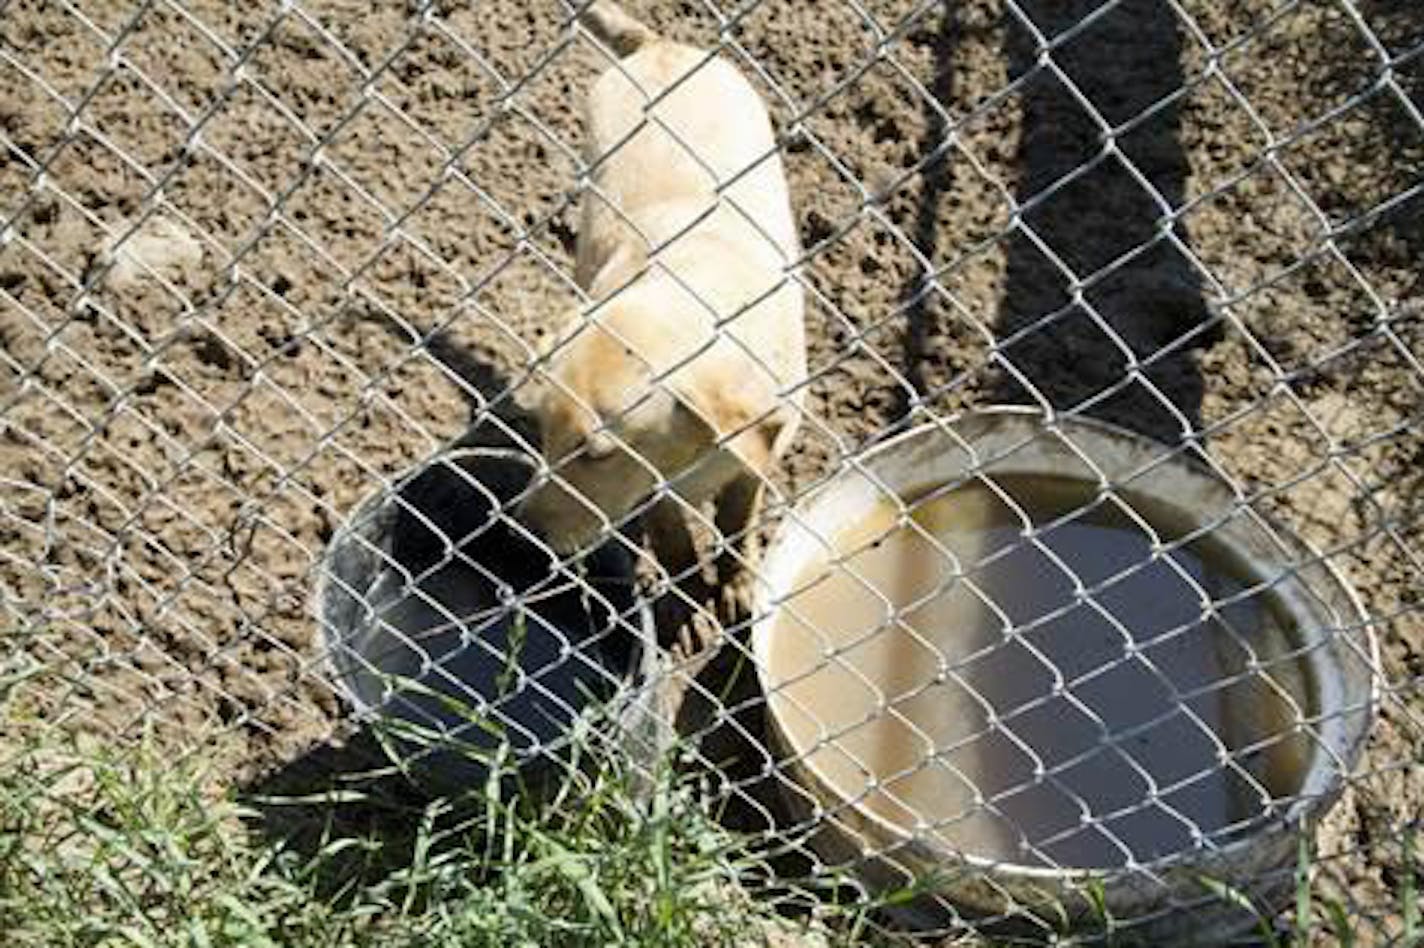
(614, 28)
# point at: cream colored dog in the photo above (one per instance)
(685, 374)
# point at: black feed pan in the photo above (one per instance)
(440, 611)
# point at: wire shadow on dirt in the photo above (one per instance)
(1078, 192)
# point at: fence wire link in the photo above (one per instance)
(274, 282)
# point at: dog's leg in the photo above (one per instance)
(737, 508)
(676, 555)
(670, 539)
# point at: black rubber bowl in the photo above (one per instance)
(442, 614)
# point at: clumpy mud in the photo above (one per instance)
(354, 224)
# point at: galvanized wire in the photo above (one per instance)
(162, 554)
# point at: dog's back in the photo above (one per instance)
(660, 154)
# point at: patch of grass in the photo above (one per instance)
(109, 844)
(117, 845)
(100, 846)
(1316, 916)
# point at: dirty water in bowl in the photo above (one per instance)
(1062, 700)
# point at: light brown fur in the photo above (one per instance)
(687, 369)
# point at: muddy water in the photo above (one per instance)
(1021, 720)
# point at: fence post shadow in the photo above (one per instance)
(937, 178)
(1085, 205)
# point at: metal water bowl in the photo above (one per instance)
(897, 738)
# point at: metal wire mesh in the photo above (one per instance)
(260, 264)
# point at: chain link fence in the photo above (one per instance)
(274, 280)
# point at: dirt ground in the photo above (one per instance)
(369, 219)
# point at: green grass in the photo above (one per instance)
(101, 847)
(118, 845)
(110, 844)
(1317, 915)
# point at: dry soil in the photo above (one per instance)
(361, 219)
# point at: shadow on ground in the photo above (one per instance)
(1103, 310)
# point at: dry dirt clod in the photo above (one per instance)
(159, 247)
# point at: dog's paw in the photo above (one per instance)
(733, 600)
(688, 619)
(699, 636)
(670, 613)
